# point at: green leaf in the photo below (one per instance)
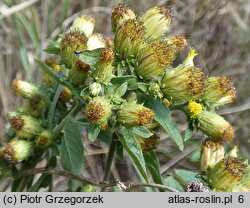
(119, 150)
(121, 90)
(89, 57)
(153, 166)
(133, 148)
(43, 181)
(171, 182)
(163, 116)
(72, 149)
(185, 176)
(142, 131)
(121, 70)
(53, 50)
(93, 132)
(188, 133)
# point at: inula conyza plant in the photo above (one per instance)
(121, 92)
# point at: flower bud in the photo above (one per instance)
(25, 125)
(148, 144)
(17, 150)
(95, 88)
(212, 151)
(98, 110)
(121, 14)
(25, 89)
(226, 174)
(183, 83)
(44, 140)
(84, 24)
(155, 90)
(103, 68)
(157, 21)
(53, 63)
(218, 91)
(134, 115)
(129, 38)
(157, 55)
(197, 186)
(194, 109)
(65, 95)
(215, 126)
(72, 41)
(79, 72)
(96, 41)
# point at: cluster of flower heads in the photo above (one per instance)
(141, 48)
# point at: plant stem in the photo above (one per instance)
(123, 185)
(59, 127)
(53, 105)
(109, 159)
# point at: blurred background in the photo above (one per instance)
(219, 30)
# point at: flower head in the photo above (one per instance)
(98, 110)
(44, 139)
(65, 95)
(53, 63)
(183, 83)
(129, 38)
(25, 89)
(134, 115)
(226, 174)
(157, 21)
(72, 41)
(194, 109)
(121, 14)
(79, 72)
(103, 68)
(215, 126)
(84, 23)
(25, 126)
(218, 91)
(95, 41)
(157, 55)
(197, 186)
(212, 151)
(17, 150)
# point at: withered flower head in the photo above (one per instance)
(148, 144)
(197, 186)
(65, 95)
